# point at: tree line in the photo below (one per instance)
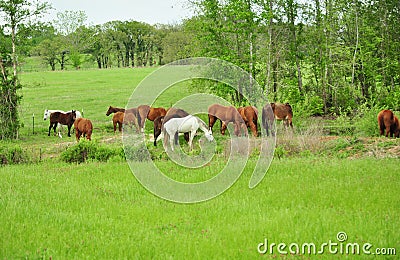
(322, 56)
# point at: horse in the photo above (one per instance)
(280, 112)
(124, 118)
(47, 113)
(389, 122)
(250, 117)
(151, 113)
(83, 126)
(62, 118)
(226, 114)
(114, 110)
(171, 113)
(183, 125)
(267, 119)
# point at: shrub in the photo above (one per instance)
(88, 150)
(13, 154)
(365, 121)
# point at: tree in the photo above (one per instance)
(14, 13)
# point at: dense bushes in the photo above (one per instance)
(13, 154)
(89, 150)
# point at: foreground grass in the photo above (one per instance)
(97, 210)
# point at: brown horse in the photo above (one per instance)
(250, 117)
(159, 121)
(267, 119)
(151, 113)
(63, 119)
(127, 118)
(83, 126)
(114, 110)
(226, 114)
(389, 122)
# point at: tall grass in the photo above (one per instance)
(99, 210)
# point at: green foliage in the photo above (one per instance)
(88, 150)
(13, 154)
(9, 101)
(365, 121)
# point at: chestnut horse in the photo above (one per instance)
(159, 121)
(83, 126)
(389, 122)
(281, 112)
(151, 113)
(114, 110)
(226, 114)
(62, 118)
(124, 118)
(250, 117)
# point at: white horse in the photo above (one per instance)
(183, 125)
(47, 113)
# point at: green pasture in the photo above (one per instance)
(58, 210)
(316, 187)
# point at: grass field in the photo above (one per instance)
(52, 209)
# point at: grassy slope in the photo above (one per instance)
(101, 211)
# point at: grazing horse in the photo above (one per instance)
(83, 126)
(171, 113)
(183, 125)
(62, 118)
(280, 112)
(226, 114)
(389, 122)
(151, 113)
(124, 118)
(267, 119)
(114, 110)
(250, 117)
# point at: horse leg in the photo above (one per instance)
(223, 127)
(69, 130)
(176, 138)
(77, 135)
(54, 127)
(211, 121)
(50, 129)
(191, 137)
(120, 126)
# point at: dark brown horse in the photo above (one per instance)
(114, 110)
(159, 121)
(83, 126)
(226, 114)
(250, 117)
(63, 119)
(267, 119)
(389, 122)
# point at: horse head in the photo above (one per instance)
(109, 111)
(209, 136)
(46, 114)
(73, 113)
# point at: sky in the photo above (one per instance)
(102, 11)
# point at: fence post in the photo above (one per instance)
(33, 123)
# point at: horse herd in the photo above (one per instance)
(170, 122)
(181, 121)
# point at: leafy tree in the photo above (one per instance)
(14, 13)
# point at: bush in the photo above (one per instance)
(88, 150)
(13, 155)
(365, 121)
